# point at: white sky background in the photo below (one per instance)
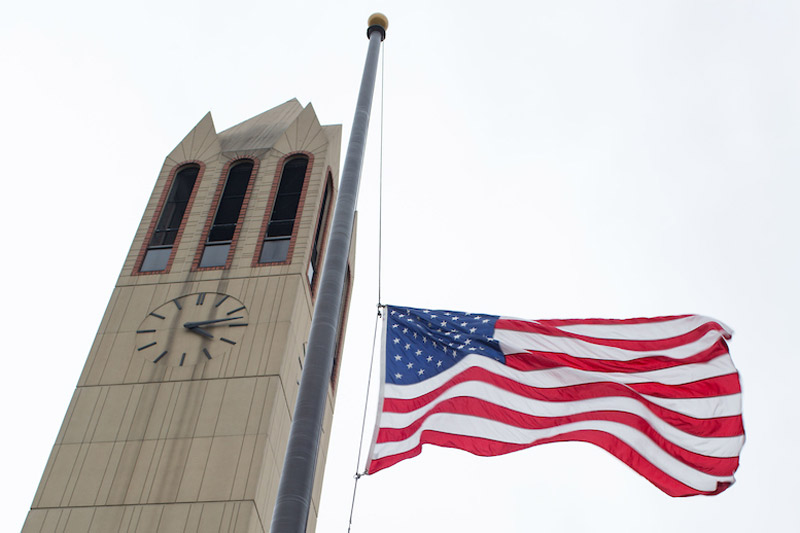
(541, 159)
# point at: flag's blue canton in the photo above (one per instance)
(421, 343)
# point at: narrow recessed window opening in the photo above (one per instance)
(163, 238)
(220, 235)
(319, 237)
(281, 223)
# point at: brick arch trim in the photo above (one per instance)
(157, 214)
(271, 206)
(223, 179)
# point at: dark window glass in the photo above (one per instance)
(230, 205)
(221, 233)
(284, 211)
(163, 238)
(322, 225)
(174, 209)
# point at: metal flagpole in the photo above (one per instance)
(297, 477)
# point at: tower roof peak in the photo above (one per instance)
(263, 130)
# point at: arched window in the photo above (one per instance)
(161, 242)
(220, 235)
(278, 236)
(319, 236)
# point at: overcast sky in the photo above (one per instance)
(541, 159)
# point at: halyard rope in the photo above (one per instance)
(358, 475)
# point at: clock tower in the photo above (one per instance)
(182, 412)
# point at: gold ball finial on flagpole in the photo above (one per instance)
(378, 19)
(377, 22)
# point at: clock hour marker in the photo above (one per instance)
(235, 310)
(183, 358)
(157, 315)
(222, 300)
(157, 359)
(223, 339)
(145, 331)
(200, 298)
(233, 325)
(177, 304)
(205, 351)
(146, 346)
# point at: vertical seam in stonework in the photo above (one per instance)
(91, 520)
(169, 412)
(163, 436)
(157, 453)
(66, 496)
(123, 443)
(135, 510)
(267, 344)
(105, 469)
(100, 342)
(61, 517)
(258, 515)
(97, 411)
(234, 517)
(109, 352)
(124, 413)
(111, 454)
(275, 309)
(269, 336)
(136, 355)
(140, 441)
(188, 386)
(232, 507)
(193, 437)
(244, 437)
(257, 434)
(144, 495)
(150, 305)
(188, 512)
(160, 517)
(254, 333)
(253, 285)
(213, 436)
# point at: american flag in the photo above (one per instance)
(660, 394)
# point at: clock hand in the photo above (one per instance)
(202, 332)
(191, 325)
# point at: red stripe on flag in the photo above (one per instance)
(610, 321)
(718, 427)
(642, 345)
(536, 360)
(717, 466)
(706, 388)
(485, 447)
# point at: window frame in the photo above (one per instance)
(158, 212)
(276, 182)
(321, 231)
(212, 213)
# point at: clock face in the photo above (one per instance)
(192, 329)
